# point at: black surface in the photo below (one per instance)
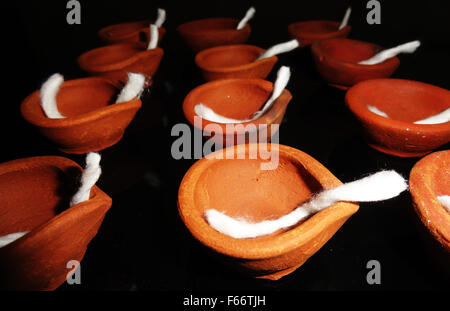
(142, 244)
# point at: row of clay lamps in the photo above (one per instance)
(94, 120)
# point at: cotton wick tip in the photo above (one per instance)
(377, 111)
(445, 201)
(208, 114)
(133, 88)
(9, 238)
(280, 48)
(380, 57)
(283, 75)
(346, 18)
(161, 17)
(376, 187)
(90, 175)
(249, 15)
(154, 34)
(442, 117)
(48, 93)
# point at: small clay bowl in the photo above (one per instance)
(237, 99)
(133, 32)
(35, 196)
(234, 61)
(310, 31)
(114, 62)
(210, 32)
(239, 188)
(337, 62)
(405, 102)
(430, 178)
(92, 121)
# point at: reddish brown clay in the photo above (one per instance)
(237, 99)
(92, 121)
(405, 102)
(234, 61)
(210, 32)
(337, 62)
(239, 188)
(114, 62)
(310, 31)
(133, 32)
(35, 195)
(430, 178)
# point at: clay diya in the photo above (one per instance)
(113, 62)
(234, 61)
(310, 31)
(93, 121)
(404, 102)
(210, 32)
(240, 61)
(35, 196)
(429, 179)
(132, 32)
(238, 187)
(337, 61)
(237, 99)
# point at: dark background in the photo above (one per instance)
(142, 244)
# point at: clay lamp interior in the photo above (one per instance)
(83, 115)
(113, 62)
(254, 218)
(310, 31)
(344, 62)
(247, 102)
(43, 225)
(429, 184)
(133, 32)
(390, 112)
(240, 61)
(210, 32)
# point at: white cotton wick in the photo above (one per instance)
(247, 17)
(154, 34)
(445, 201)
(91, 174)
(9, 238)
(280, 83)
(161, 18)
(280, 48)
(377, 111)
(380, 57)
(442, 117)
(48, 93)
(346, 18)
(133, 88)
(379, 186)
(283, 75)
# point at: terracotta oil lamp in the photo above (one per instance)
(234, 61)
(239, 188)
(210, 32)
(92, 121)
(430, 179)
(403, 102)
(237, 99)
(113, 62)
(35, 197)
(337, 62)
(310, 31)
(132, 32)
